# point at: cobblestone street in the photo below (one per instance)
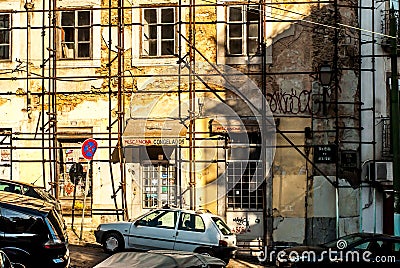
(86, 253)
(87, 256)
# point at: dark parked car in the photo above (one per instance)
(366, 249)
(161, 259)
(32, 232)
(6, 263)
(28, 189)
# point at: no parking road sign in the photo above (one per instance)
(89, 147)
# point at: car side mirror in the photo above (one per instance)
(139, 222)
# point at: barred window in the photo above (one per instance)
(159, 185)
(245, 175)
(245, 189)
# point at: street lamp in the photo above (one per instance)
(325, 78)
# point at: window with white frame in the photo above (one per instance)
(76, 34)
(243, 30)
(159, 185)
(158, 31)
(5, 32)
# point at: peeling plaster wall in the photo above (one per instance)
(303, 47)
(147, 103)
(289, 185)
(288, 97)
(299, 47)
(322, 211)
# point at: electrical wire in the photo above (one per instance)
(334, 27)
(308, 21)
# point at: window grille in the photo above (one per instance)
(159, 185)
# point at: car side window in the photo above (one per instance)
(191, 222)
(5, 187)
(396, 249)
(15, 222)
(362, 246)
(160, 219)
(12, 188)
(390, 248)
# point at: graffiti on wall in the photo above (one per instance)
(246, 225)
(242, 225)
(293, 102)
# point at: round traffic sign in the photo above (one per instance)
(89, 147)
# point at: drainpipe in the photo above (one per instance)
(120, 96)
(267, 208)
(337, 139)
(394, 124)
(192, 105)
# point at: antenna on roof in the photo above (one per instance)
(33, 183)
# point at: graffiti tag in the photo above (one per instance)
(290, 102)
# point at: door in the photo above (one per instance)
(75, 183)
(73, 169)
(388, 210)
(159, 185)
(192, 233)
(155, 230)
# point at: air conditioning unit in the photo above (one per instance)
(380, 171)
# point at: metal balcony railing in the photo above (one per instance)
(386, 41)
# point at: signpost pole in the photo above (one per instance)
(73, 206)
(89, 147)
(84, 197)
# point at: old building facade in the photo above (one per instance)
(223, 106)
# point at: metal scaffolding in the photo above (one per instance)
(115, 70)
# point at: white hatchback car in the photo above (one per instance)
(175, 229)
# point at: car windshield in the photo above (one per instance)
(222, 226)
(350, 239)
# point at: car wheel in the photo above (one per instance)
(206, 251)
(226, 261)
(113, 242)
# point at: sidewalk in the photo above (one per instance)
(85, 239)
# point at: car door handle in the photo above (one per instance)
(176, 234)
